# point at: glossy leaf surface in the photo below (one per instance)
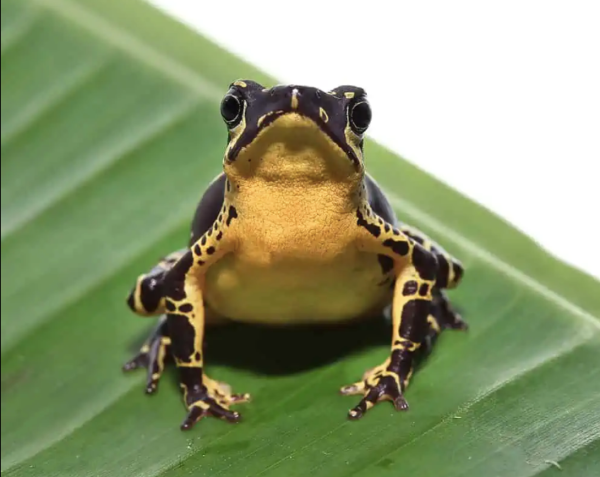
(110, 132)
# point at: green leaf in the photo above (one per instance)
(110, 132)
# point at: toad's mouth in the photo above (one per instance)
(293, 137)
(292, 125)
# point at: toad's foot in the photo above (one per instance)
(152, 356)
(445, 316)
(211, 398)
(378, 384)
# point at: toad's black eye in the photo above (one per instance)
(360, 117)
(231, 109)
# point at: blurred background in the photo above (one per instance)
(499, 100)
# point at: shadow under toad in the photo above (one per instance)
(294, 349)
(282, 351)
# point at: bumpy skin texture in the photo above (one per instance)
(294, 216)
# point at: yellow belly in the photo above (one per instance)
(296, 258)
(288, 288)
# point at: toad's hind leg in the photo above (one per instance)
(449, 269)
(147, 297)
(449, 275)
(441, 317)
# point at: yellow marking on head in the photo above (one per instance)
(262, 118)
(294, 104)
(323, 115)
(349, 94)
(241, 84)
(265, 116)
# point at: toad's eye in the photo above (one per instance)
(360, 117)
(231, 109)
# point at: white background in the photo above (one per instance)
(501, 100)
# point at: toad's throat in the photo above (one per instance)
(293, 149)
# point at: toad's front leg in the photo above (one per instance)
(416, 271)
(184, 303)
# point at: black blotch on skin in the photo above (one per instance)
(175, 278)
(403, 343)
(410, 288)
(220, 218)
(169, 306)
(210, 250)
(177, 292)
(200, 262)
(197, 356)
(131, 300)
(425, 263)
(192, 379)
(183, 334)
(387, 227)
(197, 250)
(424, 289)
(186, 308)
(458, 272)
(443, 271)
(373, 229)
(398, 246)
(413, 322)
(227, 186)
(203, 240)
(151, 292)
(232, 214)
(416, 238)
(401, 363)
(386, 263)
(220, 236)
